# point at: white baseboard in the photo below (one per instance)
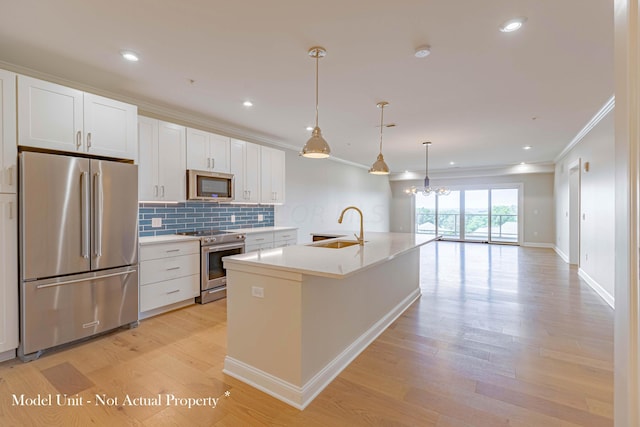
(606, 296)
(539, 245)
(561, 254)
(300, 397)
(8, 355)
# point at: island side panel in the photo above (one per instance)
(335, 313)
(265, 333)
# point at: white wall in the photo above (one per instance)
(597, 204)
(538, 204)
(318, 190)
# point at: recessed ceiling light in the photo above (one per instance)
(452, 163)
(522, 163)
(247, 104)
(527, 147)
(512, 25)
(130, 56)
(422, 51)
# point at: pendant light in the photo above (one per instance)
(427, 189)
(379, 166)
(316, 147)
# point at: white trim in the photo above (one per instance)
(606, 296)
(561, 254)
(601, 114)
(7, 355)
(539, 245)
(155, 311)
(300, 397)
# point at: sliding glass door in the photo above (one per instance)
(475, 214)
(504, 215)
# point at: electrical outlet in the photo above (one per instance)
(156, 222)
(257, 291)
(260, 217)
(233, 218)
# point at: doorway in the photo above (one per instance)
(574, 213)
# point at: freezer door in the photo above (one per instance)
(64, 309)
(54, 215)
(114, 219)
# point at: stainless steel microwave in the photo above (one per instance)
(211, 186)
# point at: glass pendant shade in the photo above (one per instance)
(316, 147)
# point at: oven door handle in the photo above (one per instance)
(218, 248)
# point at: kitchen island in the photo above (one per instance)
(298, 315)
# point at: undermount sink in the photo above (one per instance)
(336, 244)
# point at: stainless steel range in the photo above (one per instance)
(214, 245)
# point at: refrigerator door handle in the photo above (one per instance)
(98, 213)
(87, 279)
(85, 214)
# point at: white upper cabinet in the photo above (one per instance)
(162, 166)
(110, 127)
(272, 174)
(207, 151)
(8, 146)
(8, 273)
(55, 117)
(245, 166)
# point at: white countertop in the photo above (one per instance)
(334, 263)
(167, 238)
(260, 229)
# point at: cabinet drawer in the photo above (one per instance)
(258, 246)
(258, 238)
(285, 235)
(283, 243)
(156, 270)
(165, 250)
(168, 292)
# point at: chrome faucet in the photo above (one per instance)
(361, 237)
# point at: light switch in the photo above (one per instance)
(156, 222)
(257, 291)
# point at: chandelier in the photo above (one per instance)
(427, 189)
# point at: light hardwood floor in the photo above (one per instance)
(502, 336)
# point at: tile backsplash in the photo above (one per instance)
(190, 216)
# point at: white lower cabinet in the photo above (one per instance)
(169, 274)
(8, 275)
(270, 239)
(285, 238)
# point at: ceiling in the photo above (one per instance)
(479, 97)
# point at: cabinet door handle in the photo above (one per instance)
(173, 268)
(10, 210)
(11, 175)
(162, 190)
(286, 235)
(78, 139)
(213, 163)
(89, 140)
(173, 292)
(173, 250)
(208, 163)
(155, 190)
(259, 240)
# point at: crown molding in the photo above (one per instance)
(601, 114)
(173, 114)
(476, 172)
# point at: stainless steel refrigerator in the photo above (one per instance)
(78, 248)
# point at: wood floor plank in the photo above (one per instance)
(501, 336)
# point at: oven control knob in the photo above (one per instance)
(213, 239)
(239, 236)
(207, 240)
